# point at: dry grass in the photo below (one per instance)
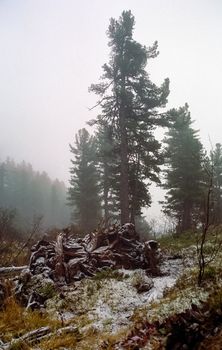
(19, 345)
(58, 342)
(94, 339)
(15, 320)
(8, 254)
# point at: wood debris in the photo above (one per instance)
(68, 259)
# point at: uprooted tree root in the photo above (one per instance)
(66, 260)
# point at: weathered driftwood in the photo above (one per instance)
(69, 259)
(30, 338)
(38, 335)
(12, 269)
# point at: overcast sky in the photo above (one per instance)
(52, 50)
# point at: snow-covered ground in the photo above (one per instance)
(118, 300)
(110, 304)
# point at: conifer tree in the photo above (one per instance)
(216, 160)
(30, 193)
(184, 175)
(108, 159)
(83, 193)
(130, 105)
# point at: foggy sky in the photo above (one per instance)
(52, 50)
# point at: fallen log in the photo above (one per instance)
(38, 335)
(12, 269)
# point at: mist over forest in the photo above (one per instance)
(29, 194)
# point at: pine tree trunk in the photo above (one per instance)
(132, 215)
(134, 191)
(124, 176)
(186, 220)
(105, 194)
(220, 210)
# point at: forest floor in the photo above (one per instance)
(125, 309)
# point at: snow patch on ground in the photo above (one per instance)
(172, 270)
(110, 304)
(118, 300)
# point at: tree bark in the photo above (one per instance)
(134, 190)
(105, 194)
(124, 176)
(186, 220)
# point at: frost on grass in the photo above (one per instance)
(180, 301)
(108, 304)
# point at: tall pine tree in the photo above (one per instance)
(130, 103)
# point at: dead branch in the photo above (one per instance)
(12, 269)
(39, 335)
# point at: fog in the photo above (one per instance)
(51, 51)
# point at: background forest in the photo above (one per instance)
(27, 195)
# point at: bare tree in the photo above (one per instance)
(36, 229)
(205, 259)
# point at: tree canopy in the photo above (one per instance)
(130, 104)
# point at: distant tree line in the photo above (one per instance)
(26, 194)
(112, 169)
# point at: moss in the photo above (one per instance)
(141, 282)
(47, 291)
(108, 274)
(215, 299)
(210, 273)
(92, 287)
(107, 321)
